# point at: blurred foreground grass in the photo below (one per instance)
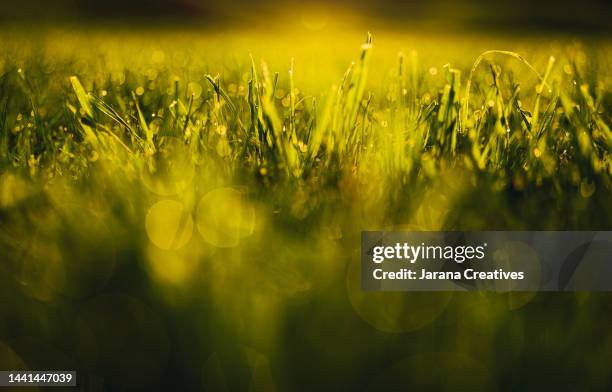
(173, 207)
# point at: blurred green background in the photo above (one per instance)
(173, 251)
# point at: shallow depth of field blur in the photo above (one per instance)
(183, 205)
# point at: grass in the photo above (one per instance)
(174, 168)
(511, 128)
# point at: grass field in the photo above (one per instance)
(189, 204)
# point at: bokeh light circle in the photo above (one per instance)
(169, 225)
(394, 312)
(224, 217)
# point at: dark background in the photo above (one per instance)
(570, 15)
